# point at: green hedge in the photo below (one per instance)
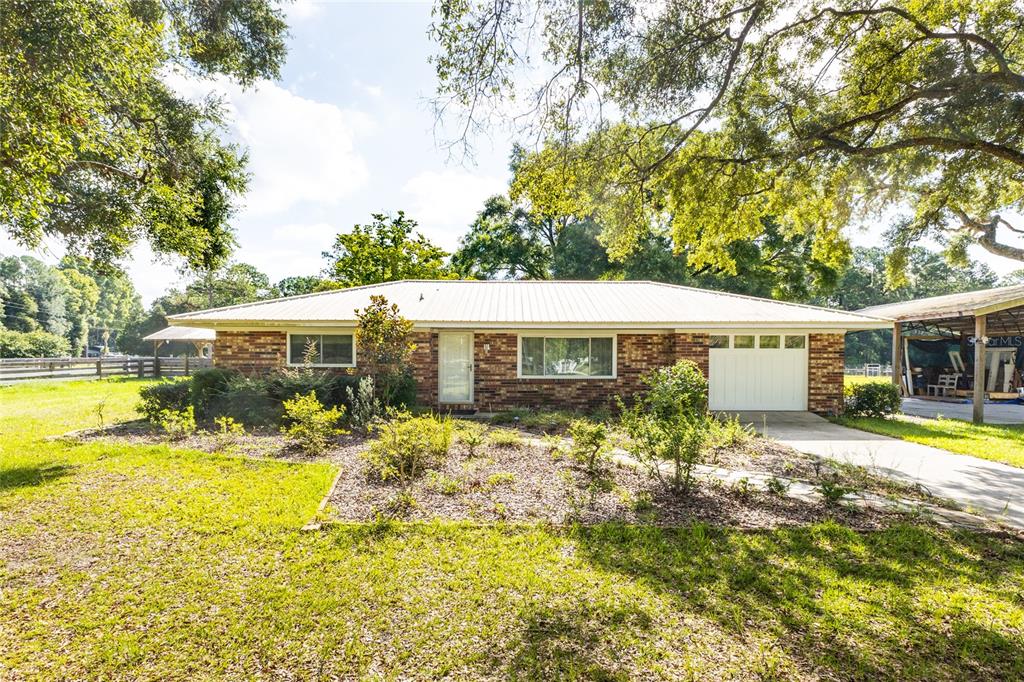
(38, 344)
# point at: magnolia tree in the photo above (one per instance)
(384, 339)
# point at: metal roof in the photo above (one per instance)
(970, 303)
(528, 303)
(182, 334)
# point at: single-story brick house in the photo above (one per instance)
(492, 345)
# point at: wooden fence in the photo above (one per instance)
(17, 369)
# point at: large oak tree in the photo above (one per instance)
(95, 148)
(707, 116)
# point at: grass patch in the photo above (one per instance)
(999, 443)
(853, 380)
(143, 561)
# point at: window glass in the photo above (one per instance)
(718, 341)
(302, 344)
(769, 342)
(327, 349)
(601, 357)
(566, 356)
(796, 341)
(336, 349)
(743, 341)
(533, 356)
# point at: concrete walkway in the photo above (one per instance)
(993, 489)
(995, 413)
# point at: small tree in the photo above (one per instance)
(384, 341)
(669, 424)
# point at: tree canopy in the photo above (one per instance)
(385, 250)
(96, 149)
(708, 117)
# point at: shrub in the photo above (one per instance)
(504, 438)
(446, 485)
(157, 398)
(832, 489)
(246, 399)
(364, 408)
(207, 387)
(37, 344)
(406, 446)
(228, 430)
(872, 399)
(777, 486)
(500, 478)
(677, 390)
(670, 423)
(472, 435)
(178, 423)
(311, 424)
(673, 439)
(728, 432)
(590, 446)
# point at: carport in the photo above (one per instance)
(976, 318)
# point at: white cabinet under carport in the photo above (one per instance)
(750, 372)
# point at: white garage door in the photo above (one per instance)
(758, 372)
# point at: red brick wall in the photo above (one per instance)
(825, 373)
(250, 351)
(496, 385)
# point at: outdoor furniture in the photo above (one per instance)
(946, 383)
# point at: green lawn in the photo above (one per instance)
(853, 379)
(149, 562)
(989, 441)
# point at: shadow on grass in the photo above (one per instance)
(846, 604)
(24, 477)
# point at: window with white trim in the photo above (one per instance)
(323, 350)
(567, 356)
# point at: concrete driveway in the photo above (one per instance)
(993, 489)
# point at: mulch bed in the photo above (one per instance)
(544, 488)
(526, 483)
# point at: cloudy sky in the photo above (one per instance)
(347, 132)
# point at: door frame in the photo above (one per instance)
(472, 367)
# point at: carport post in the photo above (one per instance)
(979, 369)
(897, 356)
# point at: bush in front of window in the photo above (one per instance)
(678, 389)
(873, 399)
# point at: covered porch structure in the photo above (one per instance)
(988, 324)
(194, 337)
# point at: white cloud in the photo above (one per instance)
(445, 203)
(300, 10)
(374, 91)
(300, 150)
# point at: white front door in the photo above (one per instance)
(769, 377)
(455, 365)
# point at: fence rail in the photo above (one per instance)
(18, 369)
(870, 370)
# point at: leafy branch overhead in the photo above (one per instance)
(704, 117)
(96, 149)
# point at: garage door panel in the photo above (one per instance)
(757, 379)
